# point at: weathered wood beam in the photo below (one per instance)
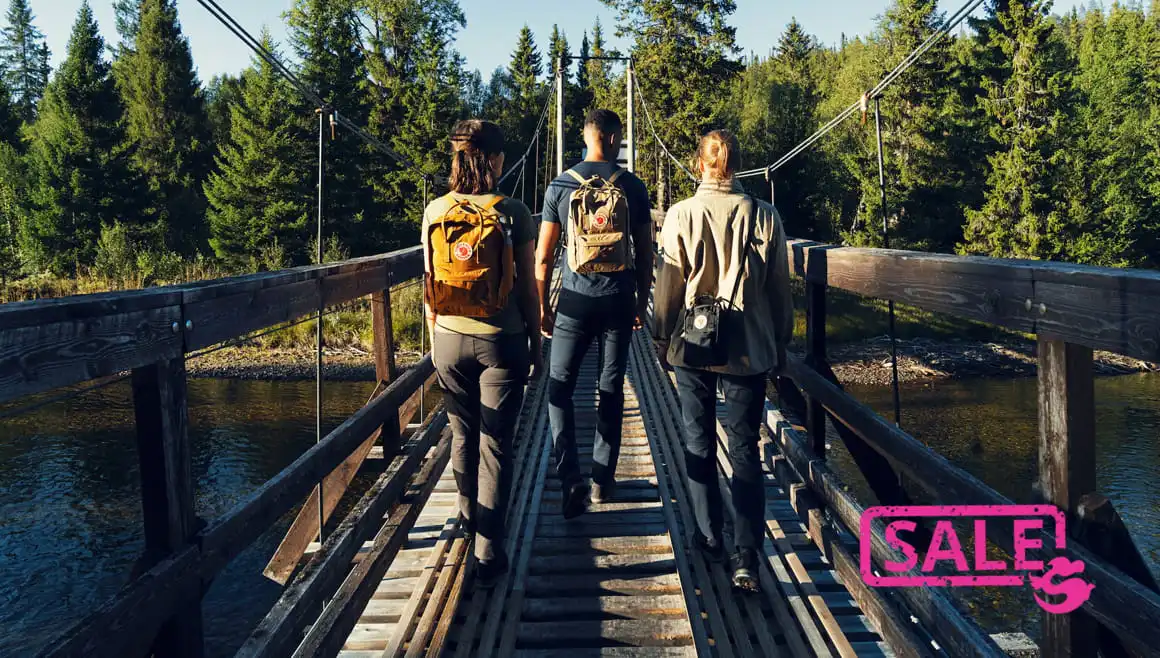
(1067, 468)
(165, 454)
(232, 532)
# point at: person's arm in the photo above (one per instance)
(642, 240)
(780, 295)
(428, 310)
(527, 300)
(545, 266)
(669, 295)
(546, 257)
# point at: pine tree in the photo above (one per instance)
(13, 186)
(24, 60)
(326, 42)
(221, 94)
(128, 18)
(683, 52)
(167, 127)
(258, 198)
(527, 101)
(417, 95)
(598, 72)
(79, 171)
(1026, 213)
(9, 121)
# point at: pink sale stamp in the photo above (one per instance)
(1059, 579)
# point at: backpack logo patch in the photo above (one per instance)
(700, 322)
(600, 220)
(463, 251)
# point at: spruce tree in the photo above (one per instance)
(128, 18)
(221, 94)
(527, 101)
(80, 174)
(167, 127)
(324, 38)
(258, 198)
(684, 54)
(24, 60)
(9, 121)
(13, 187)
(1025, 212)
(597, 72)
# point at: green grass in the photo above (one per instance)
(851, 318)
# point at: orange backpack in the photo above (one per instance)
(472, 261)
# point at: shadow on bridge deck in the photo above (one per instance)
(620, 580)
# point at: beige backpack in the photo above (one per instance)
(600, 239)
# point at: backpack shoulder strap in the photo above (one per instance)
(495, 201)
(579, 179)
(616, 175)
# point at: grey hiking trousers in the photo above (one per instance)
(483, 379)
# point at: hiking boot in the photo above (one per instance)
(467, 526)
(710, 548)
(744, 564)
(575, 500)
(488, 573)
(603, 493)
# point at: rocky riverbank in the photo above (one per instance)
(864, 362)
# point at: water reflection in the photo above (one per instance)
(989, 428)
(70, 509)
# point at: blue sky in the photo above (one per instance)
(492, 25)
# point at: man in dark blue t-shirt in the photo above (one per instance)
(604, 306)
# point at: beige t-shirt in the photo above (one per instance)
(508, 321)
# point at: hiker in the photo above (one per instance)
(724, 316)
(481, 309)
(604, 215)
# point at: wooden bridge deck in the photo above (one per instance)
(620, 580)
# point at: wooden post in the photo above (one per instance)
(163, 448)
(383, 329)
(1067, 468)
(816, 359)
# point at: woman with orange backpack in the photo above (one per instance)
(483, 314)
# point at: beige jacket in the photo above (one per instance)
(701, 244)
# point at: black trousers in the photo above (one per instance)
(744, 404)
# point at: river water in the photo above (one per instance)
(70, 511)
(989, 428)
(70, 499)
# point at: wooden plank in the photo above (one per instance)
(222, 318)
(280, 630)
(657, 633)
(39, 358)
(165, 454)
(454, 563)
(988, 290)
(955, 632)
(75, 308)
(327, 636)
(1067, 468)
(231, 533)
(348, 286)
(305, 527)
(409, 620)
(894, 628)
(126, 624)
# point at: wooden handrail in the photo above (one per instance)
(1111, 309)
(1120, 603)
(46, 344)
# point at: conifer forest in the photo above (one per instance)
(1025, 134)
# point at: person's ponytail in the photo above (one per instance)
(473, 144)
(720, 154)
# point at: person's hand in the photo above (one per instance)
(537, 359)
(663, 355)
(641, 315)
(547, 322)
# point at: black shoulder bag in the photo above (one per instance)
(703, 327)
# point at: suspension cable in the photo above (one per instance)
(948, 25)
(656, 136)
(262, 52)
(528, 151)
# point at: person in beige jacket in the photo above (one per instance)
(724, 250)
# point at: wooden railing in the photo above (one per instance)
(1072, 309)
(45, 345)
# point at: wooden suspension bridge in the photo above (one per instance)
(392, 578)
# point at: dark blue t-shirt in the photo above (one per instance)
(556, 210)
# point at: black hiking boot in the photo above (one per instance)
(710, 548)
(744, 563)
(488, 573)
(575, 500)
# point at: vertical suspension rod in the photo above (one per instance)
(323, 116)
(886, 244)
